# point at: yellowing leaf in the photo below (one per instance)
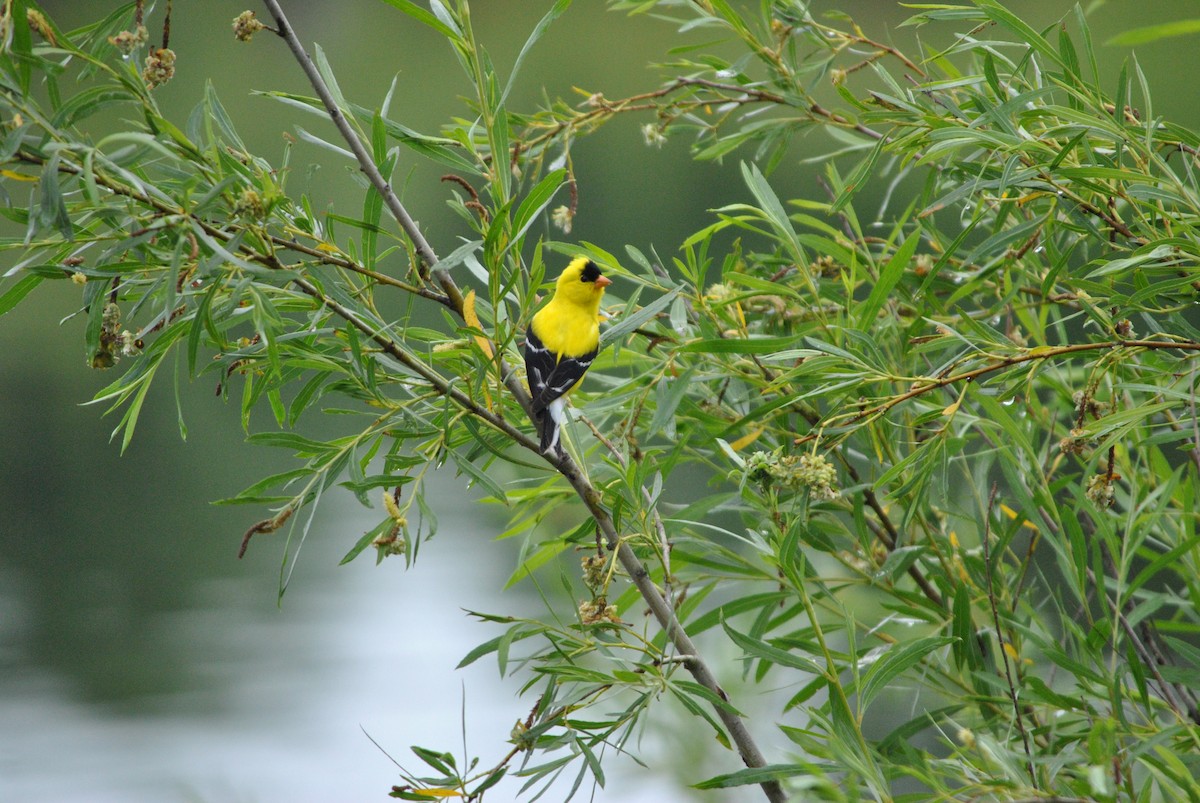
(953, 408)
(15, 176)
(1011, 651)
(473, 321)
(438, 793)
(746, 440)
(1012, 514)
(328, 249)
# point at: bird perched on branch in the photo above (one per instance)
(560, 344)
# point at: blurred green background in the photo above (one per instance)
(139, 660)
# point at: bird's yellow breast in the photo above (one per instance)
(567, 330)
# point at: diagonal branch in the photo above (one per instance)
(640, 576)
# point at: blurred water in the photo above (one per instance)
(275, 701)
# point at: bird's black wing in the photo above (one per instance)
(550, 376)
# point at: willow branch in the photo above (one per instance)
(926, 384)
(639, 575)
(645, 101)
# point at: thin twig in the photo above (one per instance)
(926, 384)
(1179, 698)
(1008, 675)
(323, 257)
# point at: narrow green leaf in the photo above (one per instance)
(327, 75)
(754, 775)
(21, 288)
(537, 200)
(966, 649)
(740, 345)
(22, 43)
(858, 179)
(214, 109)
(1002, 15)
(764, 651)
(480, 476)
(897, 660)
(488, 783)
(1152, 33)
(490, 646)
(366, 540)
(550, 16)
(87, 103)
(442, 762)
(425, 18)
(635, 319)
(291, 440)
(889, 277)
(772, 208)
(673, 392)
(52, 211)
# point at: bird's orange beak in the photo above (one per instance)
(603, 281)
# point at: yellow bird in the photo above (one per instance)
(560, 344)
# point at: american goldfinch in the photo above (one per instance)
(560, 344)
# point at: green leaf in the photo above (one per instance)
(22, 43)
(1152, 33)
(290, 440)
(898, 561)
(537, 200)
(442, 762)
(515, 633)
(966, 648)
(480, 476)
(540, 556)
(740, 345)
(888, 278)
(425, 18)
(772, 208)
(635, 319)
(754, 775)
(859, 178)
(87, 103)
(554, 13)
(21, 288)
(898, 659)
(327, 75)
(53, 209)
(366, 540)
(672, 393)
(773, 655)
(488, 782)
(1028, 35)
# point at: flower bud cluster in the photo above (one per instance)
(807, 471)
(245, 25)
(160, 67)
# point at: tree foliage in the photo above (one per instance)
(951, 437)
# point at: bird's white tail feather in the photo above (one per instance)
(557, 411)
